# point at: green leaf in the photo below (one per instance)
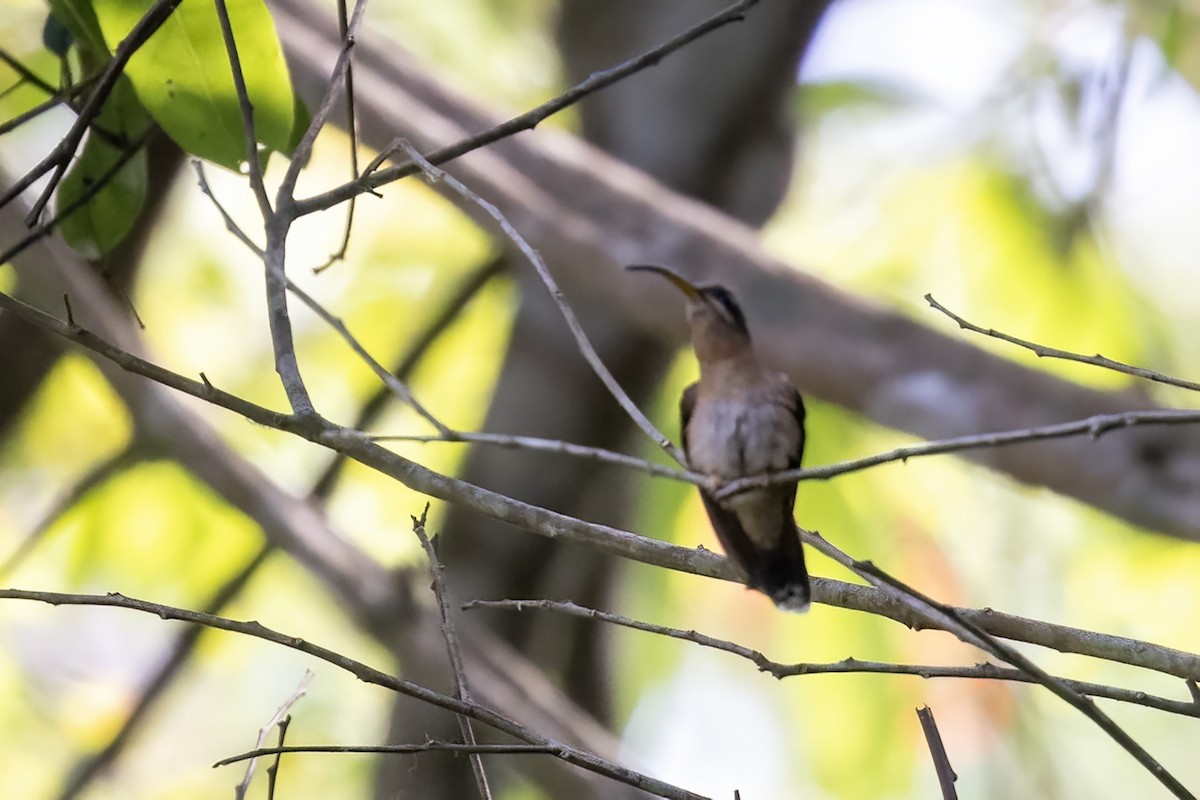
(1174, 34)
(108, 216)
(182, 76)
(819, 98)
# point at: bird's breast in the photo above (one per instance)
(732, 439)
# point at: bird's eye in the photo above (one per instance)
(726, 306)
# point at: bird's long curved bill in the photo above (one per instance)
(681, 283)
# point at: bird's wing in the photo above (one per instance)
(795, 404)
(730, 534)
(687, 404)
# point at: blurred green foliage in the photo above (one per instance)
(886, 221)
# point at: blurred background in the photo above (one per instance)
(1031, 164)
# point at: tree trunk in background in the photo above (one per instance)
(715, 120)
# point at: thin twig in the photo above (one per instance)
(454, 304)
(276, 718)
(60, 157)
(279, 222)
(246, 107)
(394, 384)
(1093, 427)
(275, 226)
(273, 770)
(1043, 351)
(948, 619)
(530, 119)
(779, 670)
(285, 198)
(431, 746)
(585, 347)
(354, 445)
(438, 585)
(352, 135)
(552, 446)
(937, 751)
(566, 752)
(91, 190)
(67, 95)
(84, 771)
(25, 73)
(231, 224)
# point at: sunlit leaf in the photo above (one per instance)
(108, 216)
(182, 76)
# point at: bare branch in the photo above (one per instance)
(530, 119)
(552, 446)
(285, 199)
(1043, 351)
(276, 719)
(91, 190)
(566, 752)
(1093, 427)
(984, 671)
(438, 576)
(88, 768)
(278, 223)
(611, 540)
(431, 746)
(253, 164)
(581, 340)
(948, 619)
(24, 73)
(937, 751)
(273, 770)
(352, 135)
(231, 224)
(394, 384)
(60, 157)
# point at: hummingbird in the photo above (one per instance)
(741, 419)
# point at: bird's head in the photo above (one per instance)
(716, 320)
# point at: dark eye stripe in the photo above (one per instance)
(723, 300)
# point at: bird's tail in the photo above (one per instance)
(784, 577)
